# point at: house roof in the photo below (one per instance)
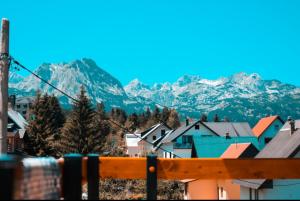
(152, 129)
(17, 118)
(181, 130)
(263, 124)
(283, 145)
(234, 129)
(235, 150)
(215, 146)
(132, 139)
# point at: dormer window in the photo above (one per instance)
(197, 127)
(154, 137)
(163, 132)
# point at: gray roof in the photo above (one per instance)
(17, 118)
(283, 145)
(235, 129)
(179, 131)
(25, 100)
(219, 128)
(152, 129)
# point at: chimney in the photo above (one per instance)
(187, 122)
(292, 124)
(12, 101)
(227, 135)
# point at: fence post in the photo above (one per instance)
(93, 176)
(151, 177)
(7, 176)
(72, 177)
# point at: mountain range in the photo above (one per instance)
(240, 97)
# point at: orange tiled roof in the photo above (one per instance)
(235, 150)
(263, 124)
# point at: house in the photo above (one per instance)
(151, 136)
(266, 128)
(286, 144)
(21, 104)
(220, 189)
(180, 142)
(131, 142)
(16, 130)
(214, 146)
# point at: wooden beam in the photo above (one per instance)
(4, 64)
(177, 169)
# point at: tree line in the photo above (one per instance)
(51, 131)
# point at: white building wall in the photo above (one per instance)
(183, 153)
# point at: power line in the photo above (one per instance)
(45, 81)
(75, 100)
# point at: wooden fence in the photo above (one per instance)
(77, 170)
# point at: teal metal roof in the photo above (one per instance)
(214, 146)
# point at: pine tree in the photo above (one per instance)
(45, 122)
(216, 118)
(133, 122)
(156, 115)
(148, 114)
(203, 118)
(173, 120)
(165, 114)
(79, 134)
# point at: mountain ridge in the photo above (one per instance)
(240, 96)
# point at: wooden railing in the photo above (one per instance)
(77, 170)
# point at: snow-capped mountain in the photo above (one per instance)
(69, 77)
(239, 97)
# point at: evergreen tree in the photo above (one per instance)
(45, 123)
(156, 115)
(203, 118)
(173, 120)
(216, 118)
(165, 114)
(81, 133)
(133, 122)
(148, 114)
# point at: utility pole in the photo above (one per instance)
(4, 65)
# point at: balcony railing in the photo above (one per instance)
(77, 170)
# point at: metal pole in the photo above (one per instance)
(4, 65)
(72, 177)
(93, 176)
(151, 177)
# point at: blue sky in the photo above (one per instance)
(158, 41)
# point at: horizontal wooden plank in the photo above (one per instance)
(122, 168)
(135, 168)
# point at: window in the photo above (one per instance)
(18, 106)
(187, 139)
(163, 132)
(197, 127)
(24, 106)
(154, 137)
(276, 127)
